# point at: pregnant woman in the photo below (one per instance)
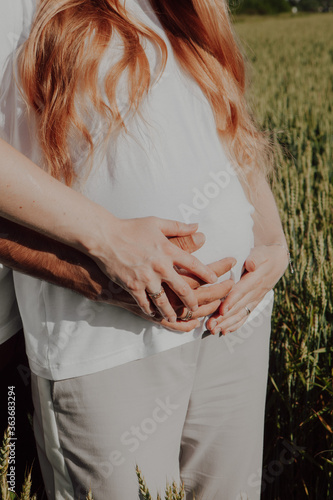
(140, 106)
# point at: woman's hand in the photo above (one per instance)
(139, 257)
(263, 268)
(208, 298)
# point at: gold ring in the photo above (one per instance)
(188, 316)
(248, 310)
(156, 295)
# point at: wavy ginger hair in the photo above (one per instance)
(60, 61)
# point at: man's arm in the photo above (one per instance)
(31, 253)
(34, 254)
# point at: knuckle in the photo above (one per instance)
(178, 226)
(181, 242)
(144, 304)
(172, 246)
(206, 299)
(236, 297)
(170, 249)
(162, 301)
(144, 307)
(184, 290)
(194, 264)
(132, 285)
(146, 276)
(223, 307)
(162, 268)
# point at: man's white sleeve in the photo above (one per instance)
(15, 20)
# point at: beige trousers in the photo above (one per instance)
(192, 414)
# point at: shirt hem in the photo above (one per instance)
(111, 361)
(10, 329)
(127, 355)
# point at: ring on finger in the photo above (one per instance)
(188, 316)
(156, 295)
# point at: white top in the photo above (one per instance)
(10, 321)
(11, 25)
(171, 165)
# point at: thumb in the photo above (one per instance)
(176, 228)
(223, 266)
(250, 264)
(255, 259)
(189, 243)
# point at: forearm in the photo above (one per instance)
(32, 253)
(37, 255)
(33, 198)
(267, 223)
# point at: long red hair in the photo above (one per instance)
(61, 59)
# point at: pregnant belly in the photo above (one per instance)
(213, 198)
(227, 235)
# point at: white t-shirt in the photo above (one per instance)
(171, 165)
(10, 321)
(11, 26)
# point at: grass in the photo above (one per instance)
(292, 59)
(293, 96)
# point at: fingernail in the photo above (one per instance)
(199, 238)
(217, 331)
(213, 278)
(192, 226)
(213, 324)
(194, 308)
(172, 319)
(152, 314)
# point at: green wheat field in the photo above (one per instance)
(292, 95)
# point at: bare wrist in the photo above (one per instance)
(95, 238)
(285, 247)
